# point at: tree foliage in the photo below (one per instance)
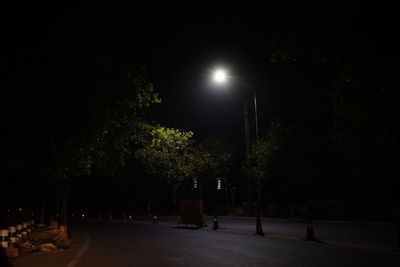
(166, 152)
(103, 141)
(204, 166)
(358, 71)
(264, 156)
(110, 139)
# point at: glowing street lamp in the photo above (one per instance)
(220, 76)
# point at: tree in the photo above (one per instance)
(204, 166)
(101, 145)
(166, 152)
(263, 163)
(219, 153)
(358, 73)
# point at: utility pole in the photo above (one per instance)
(255, 113)
(226, 184)
(247, 138)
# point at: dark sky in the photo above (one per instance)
(63, 54)
(182, 46)
(56, 60)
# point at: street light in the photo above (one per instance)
(220, 77)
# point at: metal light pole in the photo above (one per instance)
(247, 139)
(226, 184)
(220, 77)
(255, 113)
(247, 136)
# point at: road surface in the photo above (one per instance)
(115, 244)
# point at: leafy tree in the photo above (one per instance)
(204, 166)
(220, 158)
(166, 152)
(103, 143)
(358, 72)
(263, 163)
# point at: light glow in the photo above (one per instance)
(219, 76)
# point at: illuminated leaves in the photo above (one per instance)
(166, 151)
(265, 154)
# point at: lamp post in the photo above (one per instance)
(220, 77)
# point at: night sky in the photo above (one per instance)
(187, 44)
(179, 46)
(54, 64)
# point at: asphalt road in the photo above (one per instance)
(114, 244)
(361, 234)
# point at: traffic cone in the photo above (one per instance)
(216, 225)
(310, 232)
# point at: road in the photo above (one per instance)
(115, 244)
(358, 234)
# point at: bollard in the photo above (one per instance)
(19, 231)
(216, 224)
(155, 220)
(310, 235)
(4, 238)
(11, 232)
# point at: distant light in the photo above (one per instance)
(20, 209)
(195, 183)
(218, 184)
(220, 76)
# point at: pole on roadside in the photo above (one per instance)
(398, 227)
(247, 139)
(310, 234)
(226, 185)
(255, 113)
